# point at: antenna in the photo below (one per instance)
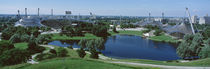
(193, 31)
(26, 12)
(38, 11)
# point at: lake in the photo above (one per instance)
(131, 47)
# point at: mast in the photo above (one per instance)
(193, 31)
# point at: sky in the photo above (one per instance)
(108, 7)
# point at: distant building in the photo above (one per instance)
(29, 21)
(204, 20)
(194, 19)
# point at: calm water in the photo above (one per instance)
(131, 47)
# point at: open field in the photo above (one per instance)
(164, 38)
(64, 37)
(22, 45)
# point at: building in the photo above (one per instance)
(29, 21)
(194, 19)
(204, 20)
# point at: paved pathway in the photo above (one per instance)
(32, 61)
(160, 66)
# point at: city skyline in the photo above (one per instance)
(108, 7)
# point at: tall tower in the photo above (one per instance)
(38, 11)
(51, 12)
(26, 12)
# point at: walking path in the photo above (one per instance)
(160, 66)
(130, 29)
(32, 61)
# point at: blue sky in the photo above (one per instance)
(108, 7)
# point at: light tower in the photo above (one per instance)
(38, 11)
(26, 12)
(149, 16)
(18, 15)
(162, 15)
(51, 12)
(193, 31)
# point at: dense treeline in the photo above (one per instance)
(99, 29)
(9, 55)
(57, 24)
(194, 47)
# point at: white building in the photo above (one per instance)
(194, 19)
(204, 20)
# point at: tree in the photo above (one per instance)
(53, 51)
(70, 47)
(205, 51)
(157, 32)
(191, 46)
(5, 45)
(81, 53)
(114, 29)
(82, 43)
(62, 52)
(33, 47)
(14, 56)
(99, 43)
(92, 48)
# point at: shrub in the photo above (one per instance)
(44, 56)
(81, 53)
(70, 47)
(53, 51)
(14, 56)
(5, 45)
(62, 52)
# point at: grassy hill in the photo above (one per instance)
(72, 63)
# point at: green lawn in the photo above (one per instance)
(21, 45)
(137, 33)
(64, 37)
(164, 38)
(200, 62)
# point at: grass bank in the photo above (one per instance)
(22, 45)
(163, 38)
(64, 37)
(200, 62)
(137, 33)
